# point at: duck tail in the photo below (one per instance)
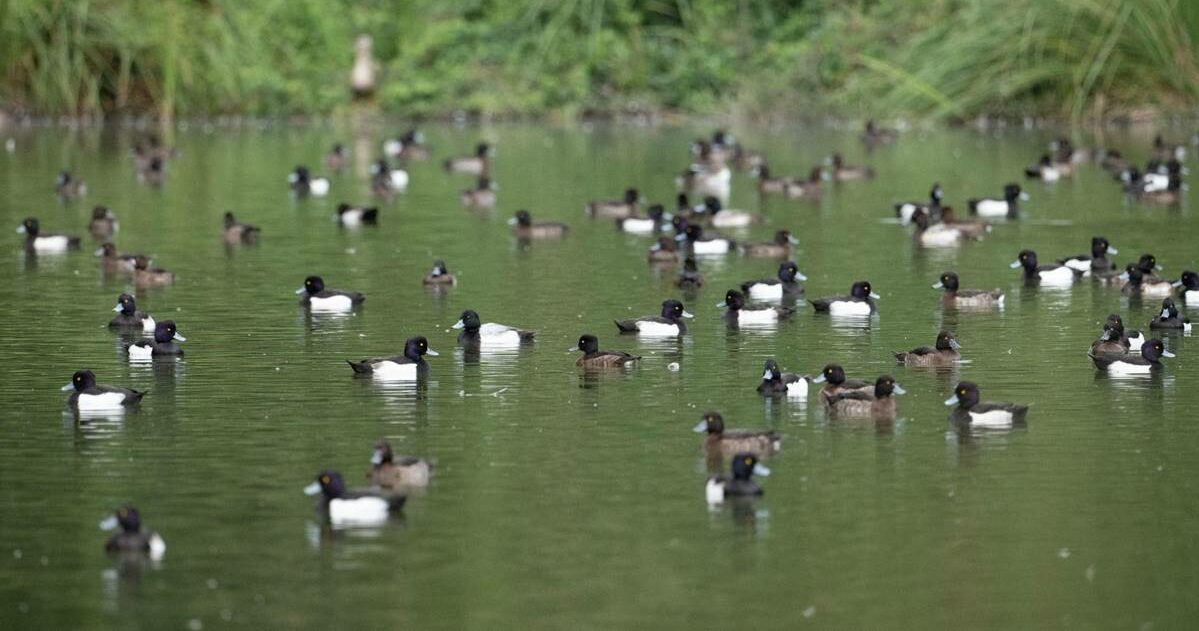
(370, 215)
(526, 336)
(972, 204)
(361, 368)
(626, 326)
(901, 357)
(137, 396)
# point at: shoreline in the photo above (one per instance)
(359, 116)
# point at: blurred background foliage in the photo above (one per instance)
(1072, 59)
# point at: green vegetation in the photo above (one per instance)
(1075, 59)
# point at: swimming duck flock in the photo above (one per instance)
(691, 236)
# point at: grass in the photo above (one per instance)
(1070, 58)
(1073, 59)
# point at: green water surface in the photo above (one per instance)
(562, 501)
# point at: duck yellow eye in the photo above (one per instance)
(324, 479)
(749, 461)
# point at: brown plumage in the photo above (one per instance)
(944, 353)
(391, 471)
(595, 358)
(728, 442)
(878, 404)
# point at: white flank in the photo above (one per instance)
(715, 246)
(332, 303)
(714, 491)
(638, 226)
(1154, 182)
(492, 334)
(1079, 264)
(941, 235)
(1157, 289)
(991, 208)
(103, 401)
(849, 307)
(657, 329)
(994, 418)
(764, 291)
(140, 352)
(732, 219)
(359, 511)
(56, 243)
(392, 371)
(1057, 276)
(399, 179)
(1124, 368)
(158, 547)
(757, 316)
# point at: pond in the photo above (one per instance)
(569, 499)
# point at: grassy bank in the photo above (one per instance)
(1074, 59)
